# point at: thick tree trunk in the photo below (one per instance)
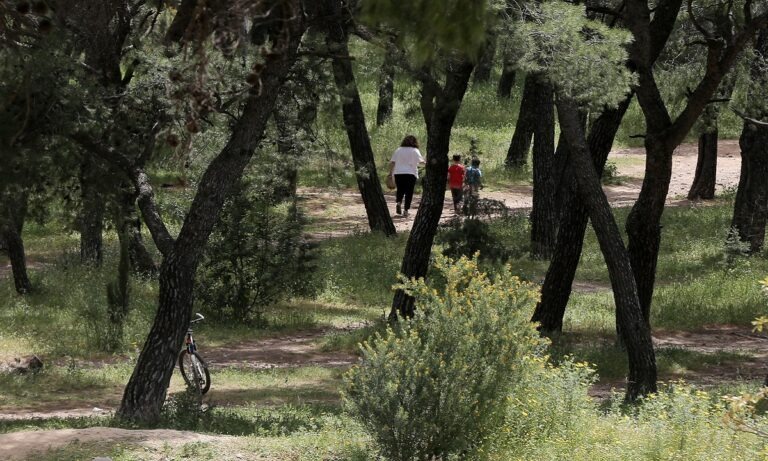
(573, 225)
(544, 215)
(507, 80)
(484, 65)
(386, 89)
(703, 187)
(11, 242)
(379, 219)
(91, 213)
(636, 334)
(146, 390)
(750, 209)
(517, 154)
(440, 119)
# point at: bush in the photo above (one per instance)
(433, 387)
(257, 255)
(471, 234)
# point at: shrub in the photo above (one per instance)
(471, 234)
(257, 255)
(435, 386)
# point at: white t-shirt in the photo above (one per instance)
(407, 161)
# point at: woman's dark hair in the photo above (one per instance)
(410, 141)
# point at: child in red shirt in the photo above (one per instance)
(456, 181)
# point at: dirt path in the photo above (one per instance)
(24, 445)
(336, 213)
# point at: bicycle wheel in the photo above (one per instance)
(194, 371)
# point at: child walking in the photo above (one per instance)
(456, 182)
(473, 182)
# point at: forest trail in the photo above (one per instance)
(338, 213)
(25, 445)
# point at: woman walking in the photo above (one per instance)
(405, 168)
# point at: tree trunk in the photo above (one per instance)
(141, 261)
(507, 80)
(636, 334)
(485, 62)
(517, 154)
(11, 242)
(146, 390)
(386, 89)
(91, 214)
(750, 209)
(703, 187)
(368, 182)
(573, 225)
(544, 214)
(439, 119)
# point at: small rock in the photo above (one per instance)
(101, 458)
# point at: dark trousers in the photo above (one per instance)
(457, 196)
(405, 184)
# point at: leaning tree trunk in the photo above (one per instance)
(91, 213)
(517, 154)
(146, 390)
(368, 182)
(439, 117)
(11, 242)
(484, 65)
(544, 214)
(636, 334)
(386, 89)
(573, 225)
(507, 80)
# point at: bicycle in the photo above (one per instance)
(192, 366)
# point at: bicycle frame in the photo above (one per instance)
(189, 341)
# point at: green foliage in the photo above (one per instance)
(459, 25)
(472, 234)
(432, 387)
(256, 256)
(574, 53)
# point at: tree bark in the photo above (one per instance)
(485, 61)
(517, 155)
(636, 334)
(386, 89)
(507, 80)
(141, 261)
(544, 215)
(91, 213)
(703, 187)
(379, 219)
(11, 242)
(146, 390)
(750, 210)
(439, 114)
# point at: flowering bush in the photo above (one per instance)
(436, 386)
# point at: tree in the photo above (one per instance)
(527, 119)
(147, 387)
(368, 182)
(386, 88)
(725, 38)
(544, 214)
(750, 210)
(485, 61)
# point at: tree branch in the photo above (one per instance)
(751, 120)
(146, 196)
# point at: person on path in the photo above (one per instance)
(456, 182)
(473, 182)
(404, 166)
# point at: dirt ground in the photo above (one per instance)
(336, 213)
